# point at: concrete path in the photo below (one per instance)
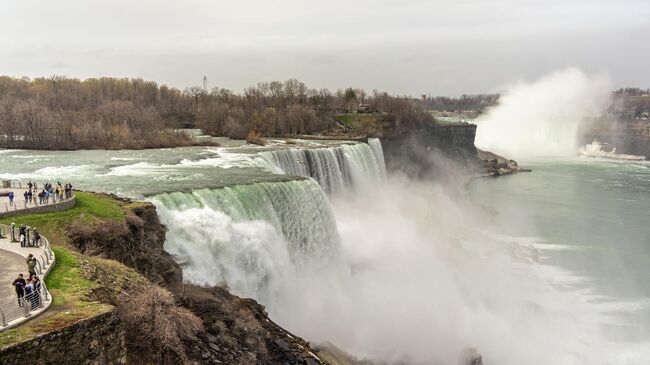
(12, 265)
(12, 262)
(19, 199)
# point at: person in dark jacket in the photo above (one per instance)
(36, 294)
(31, 265)
(36, 238)
(19, 285)
(22, 233)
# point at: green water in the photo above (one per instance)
(588, 216)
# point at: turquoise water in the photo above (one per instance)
(590, 217)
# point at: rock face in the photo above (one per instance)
(98, 340)
(629, 136)
(237, 330)
(137, 242)
(421, 150)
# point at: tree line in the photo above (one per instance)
(67, 113)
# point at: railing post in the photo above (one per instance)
(46, 292)
(24, 299)
(4, 320)
(13, 232)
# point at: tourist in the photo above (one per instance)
(30, 185)
(26, 197)
(36, 296)
(29, 292)
(11, 198)
(30, 195)
(31, 265)
(22, 235)
(19, 285)
(36, 238)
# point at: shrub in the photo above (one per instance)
(156, 327)
(255, 138)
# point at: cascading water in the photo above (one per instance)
(253, 237)
(335, 168)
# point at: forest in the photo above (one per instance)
(68, 113)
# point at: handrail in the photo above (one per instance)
(20, 203)
(14, 311)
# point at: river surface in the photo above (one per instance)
(547, 267)
(592, 217)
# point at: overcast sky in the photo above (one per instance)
(442, 47)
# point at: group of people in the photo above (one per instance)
(28, 291)
(56, 192)
(26, 240)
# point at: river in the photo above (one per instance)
(547, 267)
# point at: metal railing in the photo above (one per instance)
(17, 309)
(20, 202)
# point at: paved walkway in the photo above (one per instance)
(12, 259)
(12, 265)
(19, 199)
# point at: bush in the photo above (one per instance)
(156, 327)
(254, 138)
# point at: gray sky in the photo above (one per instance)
(442, 47)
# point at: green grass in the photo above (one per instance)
(74, 276)
(70, 290)
(88, 207)
(366, 123)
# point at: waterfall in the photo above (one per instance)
(334, 168)
(253, 237)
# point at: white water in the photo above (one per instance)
(402, 271)
(254, 237)
(595, 149)
(335, 168)
(542, 118)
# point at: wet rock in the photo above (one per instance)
(282, 344)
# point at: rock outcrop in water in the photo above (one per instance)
(433, 148)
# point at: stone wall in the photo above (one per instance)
(98, 340)
(66, 204)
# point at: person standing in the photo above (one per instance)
(22, 235)
(31, 265)
(29, 293)
(11, 198)
(36, 238)
(19, 285)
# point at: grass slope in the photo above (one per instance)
(75, 278)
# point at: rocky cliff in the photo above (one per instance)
(235, 330)
(629, 136)
(438, 150)
(421, 150)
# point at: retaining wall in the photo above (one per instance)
(97, 340)
(66, 204)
